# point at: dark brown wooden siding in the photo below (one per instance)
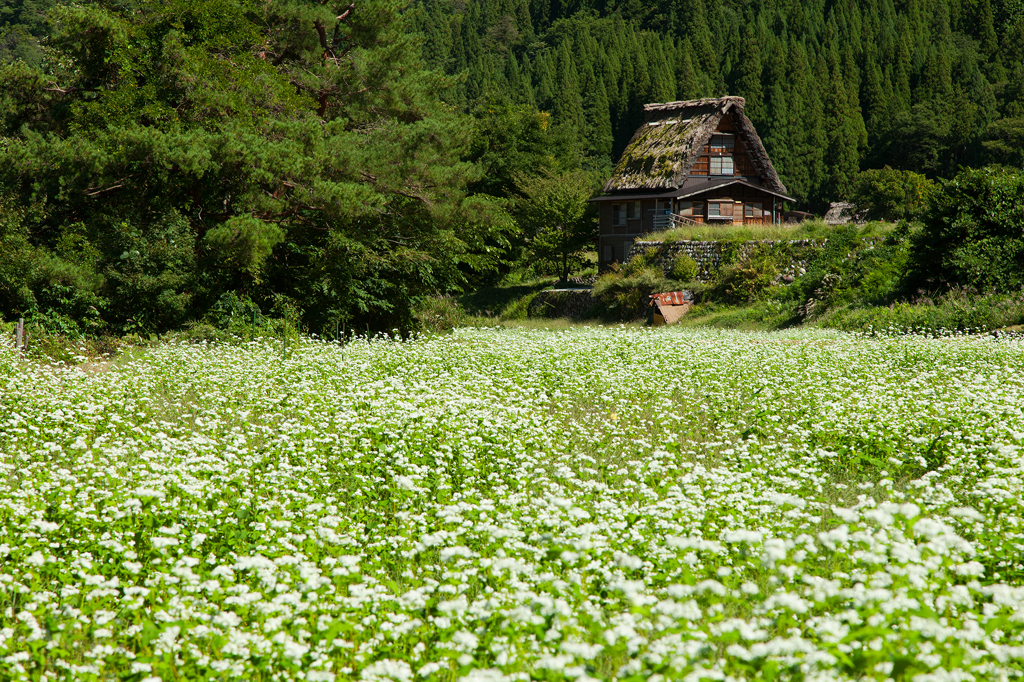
(742, 165)
(741, 196)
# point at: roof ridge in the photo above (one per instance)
(718, 101)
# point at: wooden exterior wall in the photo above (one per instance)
(615, 241)
(742, 165)
(741, 196)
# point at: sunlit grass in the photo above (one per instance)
(809, 229)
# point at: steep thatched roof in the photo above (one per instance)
(666, 146)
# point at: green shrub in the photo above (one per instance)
(625, 297)
(685, 269)
(518, 308)
(640, 262)
(748, 279)
(973, 233)
(957, 310)
(887, 194)
(439, 314)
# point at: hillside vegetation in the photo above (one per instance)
(182, 162)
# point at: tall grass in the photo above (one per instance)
(809, 229)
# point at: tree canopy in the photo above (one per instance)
(833, 88)
(170, 152)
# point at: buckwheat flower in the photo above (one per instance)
(969, 569)
(455, 606)
(579, 514)
(44, 526)
(966, 513)
(429, 669)
(163, 542)
(742, 535)
(847, 515)
(486, 675)
(227, 619)
(35, 559)
(628, 561)
(320, 676)
(294, 650)
(879, 516)
(386, 669)
(713, 586)
(465, 641)
(450, 553)
(834, 538)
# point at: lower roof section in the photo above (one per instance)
(691, 191)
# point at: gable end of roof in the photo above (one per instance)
(664, 148)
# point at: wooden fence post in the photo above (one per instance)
(19, 334)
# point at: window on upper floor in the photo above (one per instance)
(722, 143)
(721, 165)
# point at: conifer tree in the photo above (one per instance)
(749, 83)
(842, 132)
(568, 102)
(688, 84)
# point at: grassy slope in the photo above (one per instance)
(810, 229)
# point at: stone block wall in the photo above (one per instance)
(709, 254)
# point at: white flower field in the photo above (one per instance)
(595, 503)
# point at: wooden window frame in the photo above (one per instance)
(634, 210)
(727, 146)
(721, 162)
(618, 215)
(717, 205)
(691, 208)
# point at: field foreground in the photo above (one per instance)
(497, 504)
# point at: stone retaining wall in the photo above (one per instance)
(709, 254)
(573, 303)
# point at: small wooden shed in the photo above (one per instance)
(670, 306)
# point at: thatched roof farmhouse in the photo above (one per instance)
(699, 161)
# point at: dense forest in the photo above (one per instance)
(162, 161)
(832, 87)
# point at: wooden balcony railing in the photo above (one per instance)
(677, 220)
(666, 221)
